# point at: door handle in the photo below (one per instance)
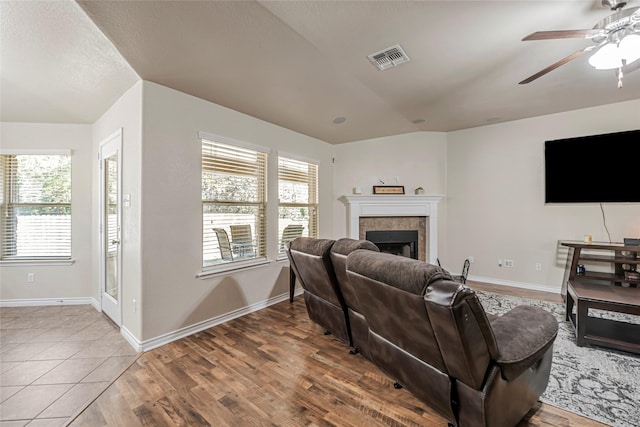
(115, 242)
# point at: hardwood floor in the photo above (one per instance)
(273, 367)
(518, 292)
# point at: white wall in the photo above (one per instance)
(495, 196)
(125, 114)
(416, 159)
(172, 214)
(59, 281)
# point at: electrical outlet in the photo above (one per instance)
(31, 277)
(471, 260)
(499, 263)
(508, 263)
(538, 266)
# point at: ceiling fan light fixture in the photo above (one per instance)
(606, 58)
(616, 55)
(630, 48)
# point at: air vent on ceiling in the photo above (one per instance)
(389, 57)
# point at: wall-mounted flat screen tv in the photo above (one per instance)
(593, 169)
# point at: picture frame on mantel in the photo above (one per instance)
(388, 189)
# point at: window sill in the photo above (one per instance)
(35, 262)
(234, 267)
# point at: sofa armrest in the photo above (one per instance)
(523, 335)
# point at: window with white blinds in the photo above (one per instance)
(234, 223)
(35, 204)
(298, 200)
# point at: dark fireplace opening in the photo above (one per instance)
(396, 242)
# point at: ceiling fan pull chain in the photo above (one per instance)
(620, 76)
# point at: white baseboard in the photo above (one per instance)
(158, 341)
(131, 339)
(49, 301)
(523, 285)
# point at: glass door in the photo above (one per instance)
(111, 230)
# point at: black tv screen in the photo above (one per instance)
(593, 169)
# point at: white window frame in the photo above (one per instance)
(312, 205)
(6, 203)
(261, 255)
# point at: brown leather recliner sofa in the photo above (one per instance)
(319, 265)
(309, 260)
(357, 321)
(432, 335)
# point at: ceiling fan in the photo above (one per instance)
(616, 41)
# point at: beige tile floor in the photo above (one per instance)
(54, 360)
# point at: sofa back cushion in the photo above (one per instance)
(312, 265)
(339, 252)
(418, 307)
(391, 291)
(463, 331)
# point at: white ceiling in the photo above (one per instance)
(300, 64)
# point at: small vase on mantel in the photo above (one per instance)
(419, 191)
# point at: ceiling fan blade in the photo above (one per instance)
(556, 65)
(562, 34)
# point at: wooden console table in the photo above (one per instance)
(611, 292)
(598, 331)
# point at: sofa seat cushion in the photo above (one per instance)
(523, 336)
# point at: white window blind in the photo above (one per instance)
(234, 224)
(298, 200)
(35, 205)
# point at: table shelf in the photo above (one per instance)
(610, 259)
(617, 254)
(611, 277)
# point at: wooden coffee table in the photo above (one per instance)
(591, 330)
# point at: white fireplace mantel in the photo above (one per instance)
(394, 205)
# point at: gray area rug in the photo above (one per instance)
(600, 384)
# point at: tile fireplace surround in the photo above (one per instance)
(396, 206)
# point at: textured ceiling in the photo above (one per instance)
(55, 65)
(300, 64)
